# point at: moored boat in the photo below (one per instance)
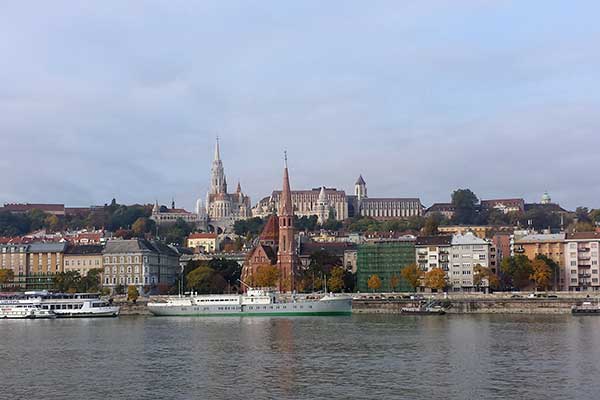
(23, 311)
(586, 308)
(255, 302)
(424, 309)
(64, 305)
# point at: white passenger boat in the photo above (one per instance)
(66, 305)
(255, 302)
(23, 311)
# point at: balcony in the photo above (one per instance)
(584, 257)
(585, 275)
(583, 249)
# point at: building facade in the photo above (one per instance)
(384, 259)
(140, 263)
(504, 205)
(15, 257)
(549, 245)
(383, 208)
(467, 252)
(332, 203)
(83, 258)
(433, 252)
(223, 208)
(581, 261)
(207, 242)
(165, 216)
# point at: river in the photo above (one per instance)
(354, 357)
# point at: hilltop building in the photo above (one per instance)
(381, 208)
(165, 216)
(325, 202)
(223, 208)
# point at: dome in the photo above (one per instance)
(546, 198)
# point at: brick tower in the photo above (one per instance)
(286, 253)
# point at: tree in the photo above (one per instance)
(266, 276)
(412, 275)
(583, 214)
(132, 294)
(68, 281)
(435, 279)
(205, 280)
(394, 282)
(178, 232)
(484, 276)
(431, 224)
(554, 267)
(6, 276)
(517, 270)
(91, 282)
(52, 222)
(541, 274)
(336, 280)
(120, 289)
(13, 224)
(465, 206)
(374, 283)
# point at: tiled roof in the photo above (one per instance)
(38, 247)
(467, 238)
(335, 248)
(84, 250)
(271, 230)
(583, 235)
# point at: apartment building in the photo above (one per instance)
(581, 261)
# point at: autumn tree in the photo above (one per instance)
(394, 282)
(541, 274)
(336, 280)
(374, 283)
(435, 279)
(266, 276)
(6, 275)
(484, 275)
(412, 274)
(132, 294)
(205, 280)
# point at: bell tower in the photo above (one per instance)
(286, 252)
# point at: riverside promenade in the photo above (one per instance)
(459, 303)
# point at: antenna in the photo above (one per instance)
(285, 158)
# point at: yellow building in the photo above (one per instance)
(549, 245)
(83, 258)
(481, 231)
(46, 258)
(208, 241)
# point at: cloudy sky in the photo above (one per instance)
(125, 98)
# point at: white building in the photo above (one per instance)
(581, 261)
(467, 252)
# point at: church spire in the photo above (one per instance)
(217, 151)
(286, 208)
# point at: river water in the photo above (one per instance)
(354, 357)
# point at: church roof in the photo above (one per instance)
(286, 207)
(360, 181)
(271, 230)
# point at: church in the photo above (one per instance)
(276, 244)
(222, 208)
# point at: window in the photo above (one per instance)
(573, 263)
(574, 272)
(573, 245)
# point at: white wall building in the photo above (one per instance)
(581, 261)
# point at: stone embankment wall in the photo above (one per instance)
(457, 304)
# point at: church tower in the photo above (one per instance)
(360, 188)
(218, 182)
(286, 253)
(322, 208)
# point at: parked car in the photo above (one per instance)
(516, 296)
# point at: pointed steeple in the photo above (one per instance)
(238, 189)
(217, 151)
(360, 180)
(322, 195)
(285, 207)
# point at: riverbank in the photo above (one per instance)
(501, 303)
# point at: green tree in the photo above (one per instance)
(374, 283)
(412, 275)
(68, 281)
(178, 232)
(119, 289)
(205, 280)
(583, 214)
(37, 219)
(13, 224)
(90, 283)
(431, 224)
(517, 270)
(435, 279)
(465, 206)
(336, 280)
(132, 294)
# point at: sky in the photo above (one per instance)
(114, 99)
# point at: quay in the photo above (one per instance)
(392, 303)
